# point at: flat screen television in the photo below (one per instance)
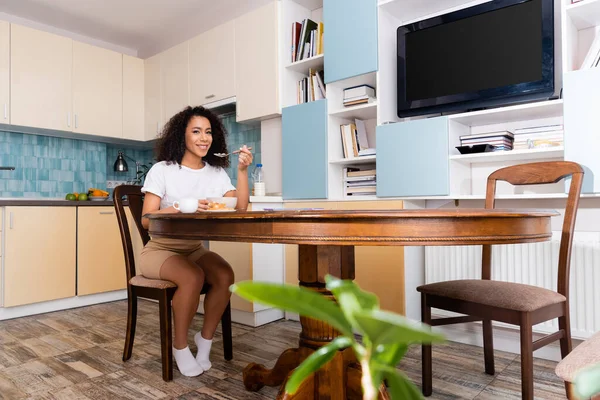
(488, 55)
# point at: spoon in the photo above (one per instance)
(223, 155)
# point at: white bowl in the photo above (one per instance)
(230, 202)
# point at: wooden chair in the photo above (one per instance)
(518, 304)
(584, 355)
(161, 290)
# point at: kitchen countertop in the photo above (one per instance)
(21, 201)
(57, 202)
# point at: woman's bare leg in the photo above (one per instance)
(219, 275)
(189, 279)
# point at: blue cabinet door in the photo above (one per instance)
(412, 158)
(304, 151)
(349, 38)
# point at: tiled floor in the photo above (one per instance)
(76, 354)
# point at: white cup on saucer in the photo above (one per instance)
(187, 205)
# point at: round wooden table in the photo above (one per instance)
(326, 242)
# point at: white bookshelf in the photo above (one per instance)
(520, 112)
(580, 25)
(315, 62)
(291, 73)
(412, 10)
(355, 160)
(584, 14)
(361, 111)
(511, 155)
(310, 4)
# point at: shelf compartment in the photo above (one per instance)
(584, 14)
(362, 111)
(315, 62)
(520, 112)
(412, 10)
(355, 160)
(511, 155)
(310, 4)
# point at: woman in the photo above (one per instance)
(187, 167)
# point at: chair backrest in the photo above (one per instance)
(133, 195)
(536, 174)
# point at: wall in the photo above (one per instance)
(51, 167)
(112, 151)
(237, 136)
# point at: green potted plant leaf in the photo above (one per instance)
(385, 335)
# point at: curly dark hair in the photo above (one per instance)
(170, 146)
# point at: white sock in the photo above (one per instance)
(186, 363)
(203, 351)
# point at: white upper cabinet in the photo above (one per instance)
(257, 64)
(212, 60)
(97, 91)
(133, 98)
(153, 119)
(40, 79)
(4, 72)
(174, 68)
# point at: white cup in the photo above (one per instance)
(187, 205)
(259, 188)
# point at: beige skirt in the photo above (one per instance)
(156, 252)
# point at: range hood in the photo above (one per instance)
(221, 107)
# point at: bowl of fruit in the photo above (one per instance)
(95, 194)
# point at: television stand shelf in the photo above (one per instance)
(500, 156)
(519, 112)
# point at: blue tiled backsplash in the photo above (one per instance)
(51, 167)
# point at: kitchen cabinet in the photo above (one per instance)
(153, 113)
(239, 256)
(262, 262)
(133, 98)
(257, 64)
(302, 124)
(40, 79)
(378, 269)
(351, 40)
(175, 79)
(100, 259)
(212, 65)
(39, 259)
(419, 148)
(97, 91)
(4, 72)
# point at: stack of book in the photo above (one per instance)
(538, 136)
(358, 95)
(307, 39)
(500, 140)
(355, 142)
(311, 88)
(359, 182)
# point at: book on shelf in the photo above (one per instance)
(307, 39)
(311, 88)
(359, 92)
(355, 142)
(354, 172)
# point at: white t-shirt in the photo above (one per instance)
(172, 182)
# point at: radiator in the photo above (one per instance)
(533, 264)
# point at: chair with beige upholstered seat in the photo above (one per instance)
(584, 355)
(518, 304)
(156, 289)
